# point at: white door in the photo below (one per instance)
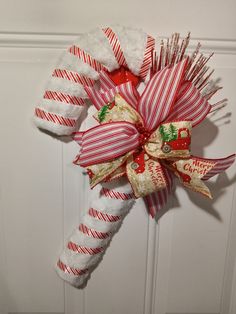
(183, 264)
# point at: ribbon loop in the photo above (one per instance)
(190, 105)
(107, 141)
(127, 90)
(159, 95)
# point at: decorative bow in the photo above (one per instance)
(147, 137)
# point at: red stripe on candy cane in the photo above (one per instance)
(54, 118)
(74, 77)
(147, 59)
(84, 249)
(70, 270)
(102, 216)
(117, 195)
(93, 233)
(86, 58)
(58, 96)
(115, 45)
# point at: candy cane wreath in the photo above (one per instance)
(143, 136)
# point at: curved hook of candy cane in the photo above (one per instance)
(100, 50)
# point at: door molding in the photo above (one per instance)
(59, 40)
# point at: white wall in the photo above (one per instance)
(183, 264)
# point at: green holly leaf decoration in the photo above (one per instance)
(102, 113)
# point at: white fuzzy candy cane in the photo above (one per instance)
(89, 241)
(58, 111)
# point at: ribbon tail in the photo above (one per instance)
(157, 200)
(197, 186)
(191, 171)
(221, 165)
(194, 171)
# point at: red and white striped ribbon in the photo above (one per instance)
(102, 216)
(105, 82)
(147, 59)
(111, 140)
(77, 136)
(86, 58)
(190, 105)
(107, 141)
(93, 233)
(126, 90)
(52, 117)
(157, 200)
(62, 97)
(221, 165)
(70, 270)
(116, 195)
(115, 45)
(159, 95)
(95, 97)
(84, 249)
(73, 76)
